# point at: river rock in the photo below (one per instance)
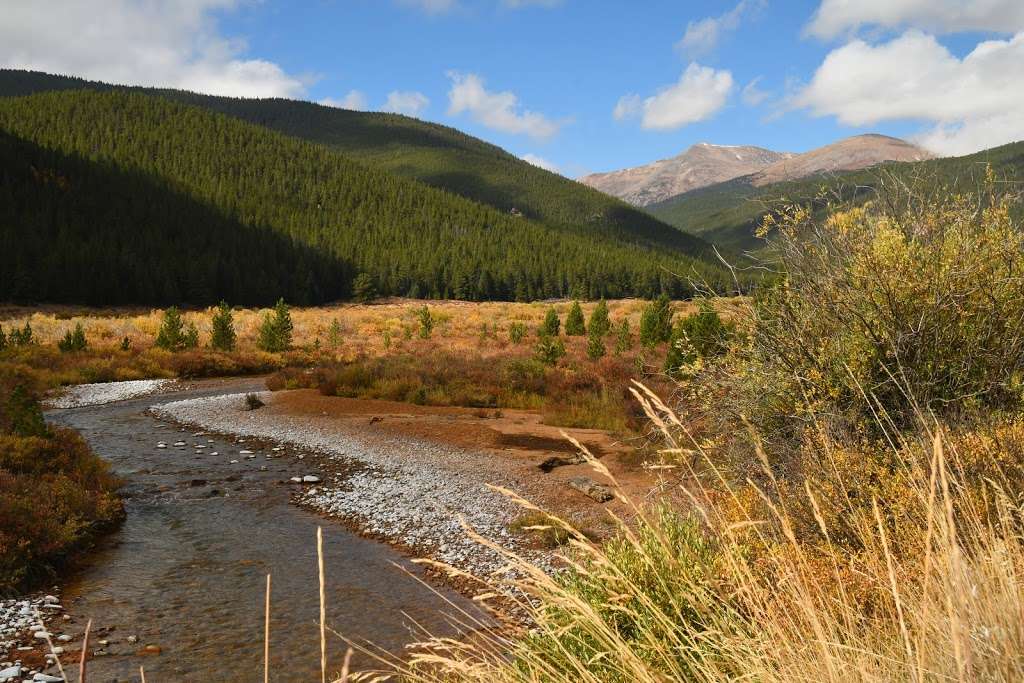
(10, 673)
(244, 452)
(47, 678)
(591, 489)
(561, 461)
(311, 479)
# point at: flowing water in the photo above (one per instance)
(187, 570)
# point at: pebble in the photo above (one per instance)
(106, 392)
(411, 492)
(47, 678)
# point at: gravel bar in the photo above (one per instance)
(107, 392)
(410, 492)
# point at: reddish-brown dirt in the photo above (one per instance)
(514, 441)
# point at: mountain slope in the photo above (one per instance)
(437, 155)
(728, 213)
(848, 154)
(697, 167)
(142, 180)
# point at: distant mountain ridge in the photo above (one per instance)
(701, 165)
(849, 154)
(704, 165)
(728, 213)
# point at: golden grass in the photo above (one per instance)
(364, 326)
(703, 596)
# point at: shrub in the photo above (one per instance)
(551, 325)
(73, 340)
(909, 295)
(516, 332)
(222, 336)
(656, 322)
(56, 495)
(3, 339)
(253, 402)
(574, 326)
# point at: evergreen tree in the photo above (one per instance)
(363, 289)
(549, 349)
(516, 332)
(656, 322)
(191, 339)
(426, 322)
(73, 341)
(22, 337)
(3, 339)
(334, 334)
(171, 336)
(699, 335)
(595, 345)
(275, 333)
(551, 324)
(223, 335)
(623, 337)
(600, 323)
(126, 343)
(574, 325)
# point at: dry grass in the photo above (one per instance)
(364, 327)
(707, 596)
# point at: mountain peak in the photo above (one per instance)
(848, 154)
(699, 165)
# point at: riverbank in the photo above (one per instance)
(412, 475)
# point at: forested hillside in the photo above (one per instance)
(437, 155)
(728, 213)
(122, 197)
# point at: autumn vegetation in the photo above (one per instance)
(852, 457)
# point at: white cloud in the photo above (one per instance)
(835, 17)
(355, 100)
(496, 110)
(627, 107)
(702, 36)
(410, 103)
(541, 162)
(972, 103)
(753, 95)
(700, 92)
(139, 42)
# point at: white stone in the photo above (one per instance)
(311, 479)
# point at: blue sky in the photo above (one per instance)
(582, 85)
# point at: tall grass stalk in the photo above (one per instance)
(715, 596)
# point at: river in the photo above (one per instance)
(187, 570)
